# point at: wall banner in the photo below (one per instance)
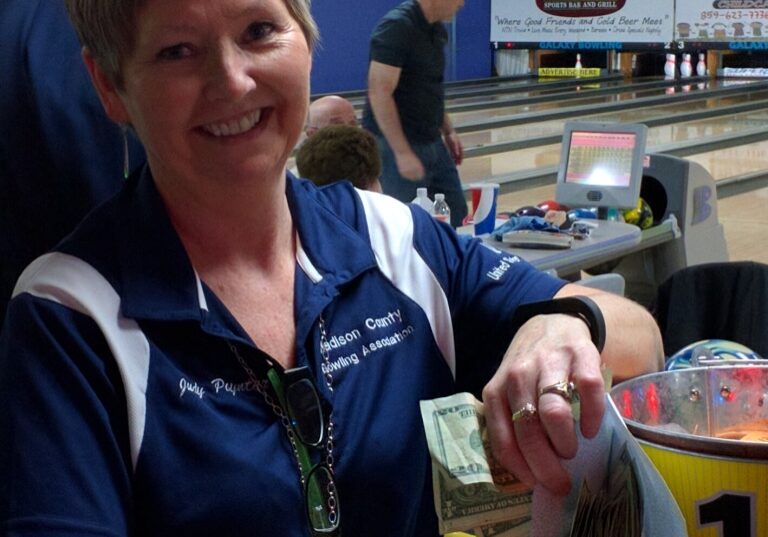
(733, 24)
(604, 24)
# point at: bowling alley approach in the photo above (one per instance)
(488, 268)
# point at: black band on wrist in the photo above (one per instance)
(581, 306)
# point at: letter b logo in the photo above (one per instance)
(701, 207)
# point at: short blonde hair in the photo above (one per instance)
(106, 28)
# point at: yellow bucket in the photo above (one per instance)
(706, 430)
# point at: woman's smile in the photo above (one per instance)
(235, 126)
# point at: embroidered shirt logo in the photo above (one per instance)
(191, 387)
(218, 385)
(376, 334)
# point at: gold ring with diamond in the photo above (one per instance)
(527, 412)
(564, 388)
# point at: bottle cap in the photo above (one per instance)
(439, 196)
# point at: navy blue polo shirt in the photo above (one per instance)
(126, 412)
(405, 39)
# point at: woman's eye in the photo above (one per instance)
(259, 30)
(175, 52)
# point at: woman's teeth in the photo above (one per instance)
(235, 126)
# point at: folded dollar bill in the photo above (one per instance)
(471, 490)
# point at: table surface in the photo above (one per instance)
(608, 241)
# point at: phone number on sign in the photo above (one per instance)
(754, 14)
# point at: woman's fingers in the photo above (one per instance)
(540, 457)
(557, 420)
(550, 363)
(501, 433)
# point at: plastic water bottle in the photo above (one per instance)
(422, 199)
(440, 209)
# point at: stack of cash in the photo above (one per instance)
(475, 494)
(615, 509)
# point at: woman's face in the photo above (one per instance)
(215, 88)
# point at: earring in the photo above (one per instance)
(126, 156)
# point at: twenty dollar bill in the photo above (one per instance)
(470, 489)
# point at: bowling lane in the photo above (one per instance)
(516, 133)
(565, 91)
(659, 138)
(734, 161)
(487, 88)
(571, 98)
(745, 223)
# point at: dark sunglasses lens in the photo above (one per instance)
(305, 412)
(322, 501)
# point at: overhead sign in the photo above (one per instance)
(735, 24)
(582, 21)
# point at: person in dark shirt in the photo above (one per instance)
(59, 153)
(405, 107)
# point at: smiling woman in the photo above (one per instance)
(175, 367)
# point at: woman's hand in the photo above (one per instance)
(546, 350)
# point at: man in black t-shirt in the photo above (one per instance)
(406, 104)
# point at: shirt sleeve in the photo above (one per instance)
(65, 465)
(484, 286)
(391, 43)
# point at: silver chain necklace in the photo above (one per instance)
(261, 387)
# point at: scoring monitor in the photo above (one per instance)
(601, 164)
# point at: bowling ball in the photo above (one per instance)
(641, 215)
(575, 214)
(551, 205)
(530, 210)
(710, 349)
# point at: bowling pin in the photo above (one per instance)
(701, 67)
(686, 69)
(669, 67)
(578, 61)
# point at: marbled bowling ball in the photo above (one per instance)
(641, 215)
(710, 349)
(530, 210)
(576, 214)
(551, 205)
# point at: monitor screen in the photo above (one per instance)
(601, 164)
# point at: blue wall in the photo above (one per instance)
(341, 60)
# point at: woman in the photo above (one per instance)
(224, 350)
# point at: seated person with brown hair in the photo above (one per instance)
(340, 152)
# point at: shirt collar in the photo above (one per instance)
(157, 278)
(418, 13)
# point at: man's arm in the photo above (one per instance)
(382, 81)
(452, 140)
